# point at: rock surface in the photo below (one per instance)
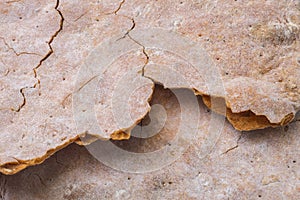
(254, 45)
(36, 99)
(260, 164)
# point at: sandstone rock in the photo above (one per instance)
(256, 55)
(238, 167)
(37, 106)
(254, 47)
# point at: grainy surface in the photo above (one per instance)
(36, 100)
(253, 44)
(253, 165)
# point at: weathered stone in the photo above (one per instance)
(240, 166)
(254, 45)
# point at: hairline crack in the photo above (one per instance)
(50, 52)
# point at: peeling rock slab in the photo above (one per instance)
(240, 166)
(45, 122)
(257, 56)
(41, 59)
(110, 104)
(19, 53)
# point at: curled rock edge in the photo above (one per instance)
(244, 121)
(248, 120)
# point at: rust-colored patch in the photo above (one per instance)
(244, 121)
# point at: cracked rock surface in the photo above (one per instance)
(36, 100)
(260, 164)
(254, 45)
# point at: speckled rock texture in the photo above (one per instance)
(37, 81)
(261, 164)
(254, 44)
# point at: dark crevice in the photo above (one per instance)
(131, 28)
(78, 18)
(24, 100)
(147, 61)
(120, 6)
(9, 2)
(7, 72)
(115, 12)
(15, 52)
(127, 34)
(230, 149)
(144, 52)
(138, 43)
(233, 148)
(50, 52)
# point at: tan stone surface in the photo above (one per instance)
(244, 121)
(44, 123)
(254, 45)
(260, 164)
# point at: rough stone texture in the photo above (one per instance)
(36, 100)
(260, 164)
(243, 121)
(254, 44)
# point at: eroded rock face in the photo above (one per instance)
(36, 99)
(257, 164)
(254, 46)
